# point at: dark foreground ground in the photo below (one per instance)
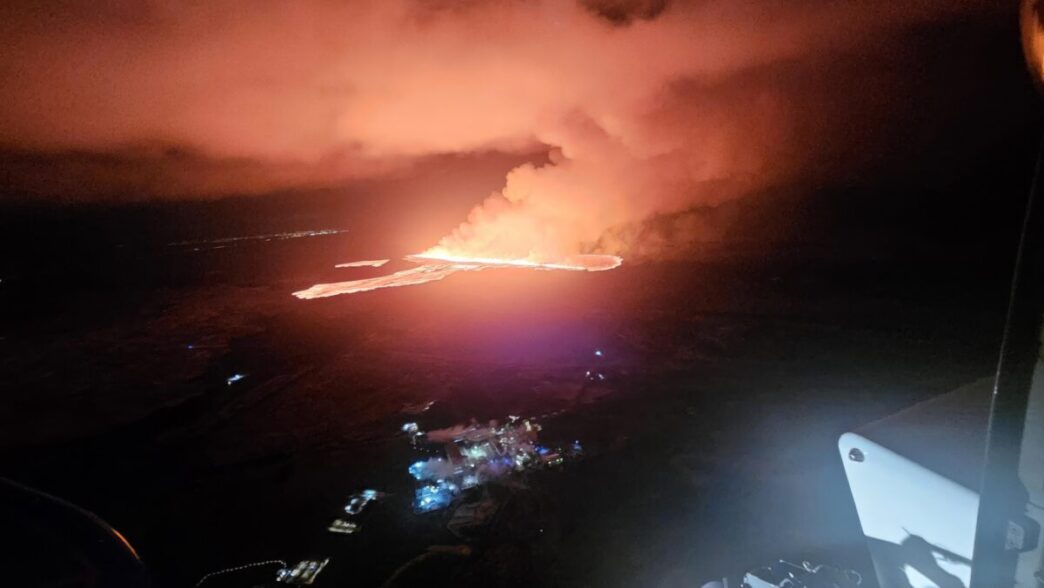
(710, 449)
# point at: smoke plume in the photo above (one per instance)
(644, 108)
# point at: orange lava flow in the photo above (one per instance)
(589, 263)
(434, 267)
(366, 263)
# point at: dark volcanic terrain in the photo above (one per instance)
(709, 449)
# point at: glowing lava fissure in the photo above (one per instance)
(364, 263)
(435, 266)
(588, 263)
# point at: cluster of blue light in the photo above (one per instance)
(417, 470)
(481, 454)
(430, 497)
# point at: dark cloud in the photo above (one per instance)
(625, 11)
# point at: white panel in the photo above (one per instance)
(924, 523)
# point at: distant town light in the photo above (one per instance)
(343, 527)
(357, 502)
(431, 497)
(303, 574)
(417, 470)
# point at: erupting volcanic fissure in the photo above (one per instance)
(588, 263)
(434, 266)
